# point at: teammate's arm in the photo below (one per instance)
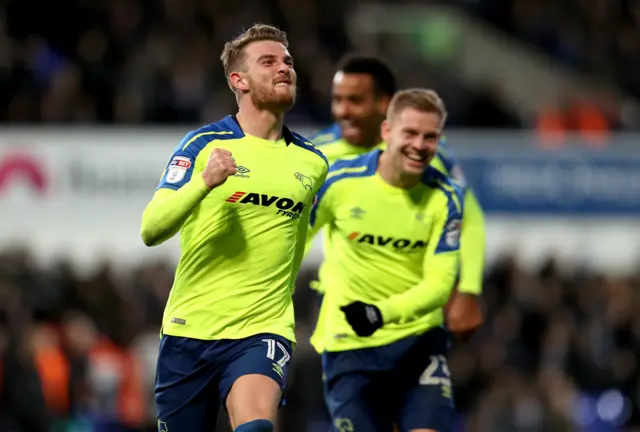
(440, 268)
(304, 240)
(464, 312)
(473, 241)
(180, 192)
(321, 213)
(472, 247)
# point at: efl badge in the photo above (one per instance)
(177, 169)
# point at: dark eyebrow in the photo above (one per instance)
(266, 56)
(287, 58)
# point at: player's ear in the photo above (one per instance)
(238, 81)
(385, 130)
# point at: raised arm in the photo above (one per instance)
(182, 188)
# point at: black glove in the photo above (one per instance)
(364, 318)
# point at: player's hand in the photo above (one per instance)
(363, 318)
(219, 167)
(464, 314)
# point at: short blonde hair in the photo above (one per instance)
(419, 99)
(233, 51)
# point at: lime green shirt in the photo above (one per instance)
(392, 247)
(473, 245)
(241, 243)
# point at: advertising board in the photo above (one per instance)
(82, 193)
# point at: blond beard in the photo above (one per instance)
(267, 98)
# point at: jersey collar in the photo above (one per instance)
(235, 125)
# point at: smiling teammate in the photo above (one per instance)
(361, 91)
(239, 191)
(391, 261)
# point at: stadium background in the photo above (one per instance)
(544, 118)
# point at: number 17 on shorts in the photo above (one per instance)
(279, 354)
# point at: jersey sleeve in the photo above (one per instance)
(321, 216)
(472, 246)
(440, 266)
(327, 135)
(451, 164)
(178, 193)
(181, 165)
(303, 239)
(473, 235)
(321, 211)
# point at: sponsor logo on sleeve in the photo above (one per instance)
(177, 169)
(452, 234)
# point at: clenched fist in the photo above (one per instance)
(219, 167)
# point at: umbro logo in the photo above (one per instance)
(278, 369)
(357, 213)
(344, 425)
(242, 172)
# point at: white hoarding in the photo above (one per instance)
(82, 193)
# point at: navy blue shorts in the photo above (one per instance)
(406, 383)
(194, 377)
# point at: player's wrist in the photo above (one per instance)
(469, 290)
(387, 311)
(205, 182)
(202, 184)
(316, 286)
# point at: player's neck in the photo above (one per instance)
(369, 144)
(393, 176)
(260, 123)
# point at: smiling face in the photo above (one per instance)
(412, 138)
(357, 108)
(267, 75)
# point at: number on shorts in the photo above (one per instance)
(271, 351)
(437, 373)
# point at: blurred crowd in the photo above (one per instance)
(152, 61)
(598, 38)
(559, 352)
